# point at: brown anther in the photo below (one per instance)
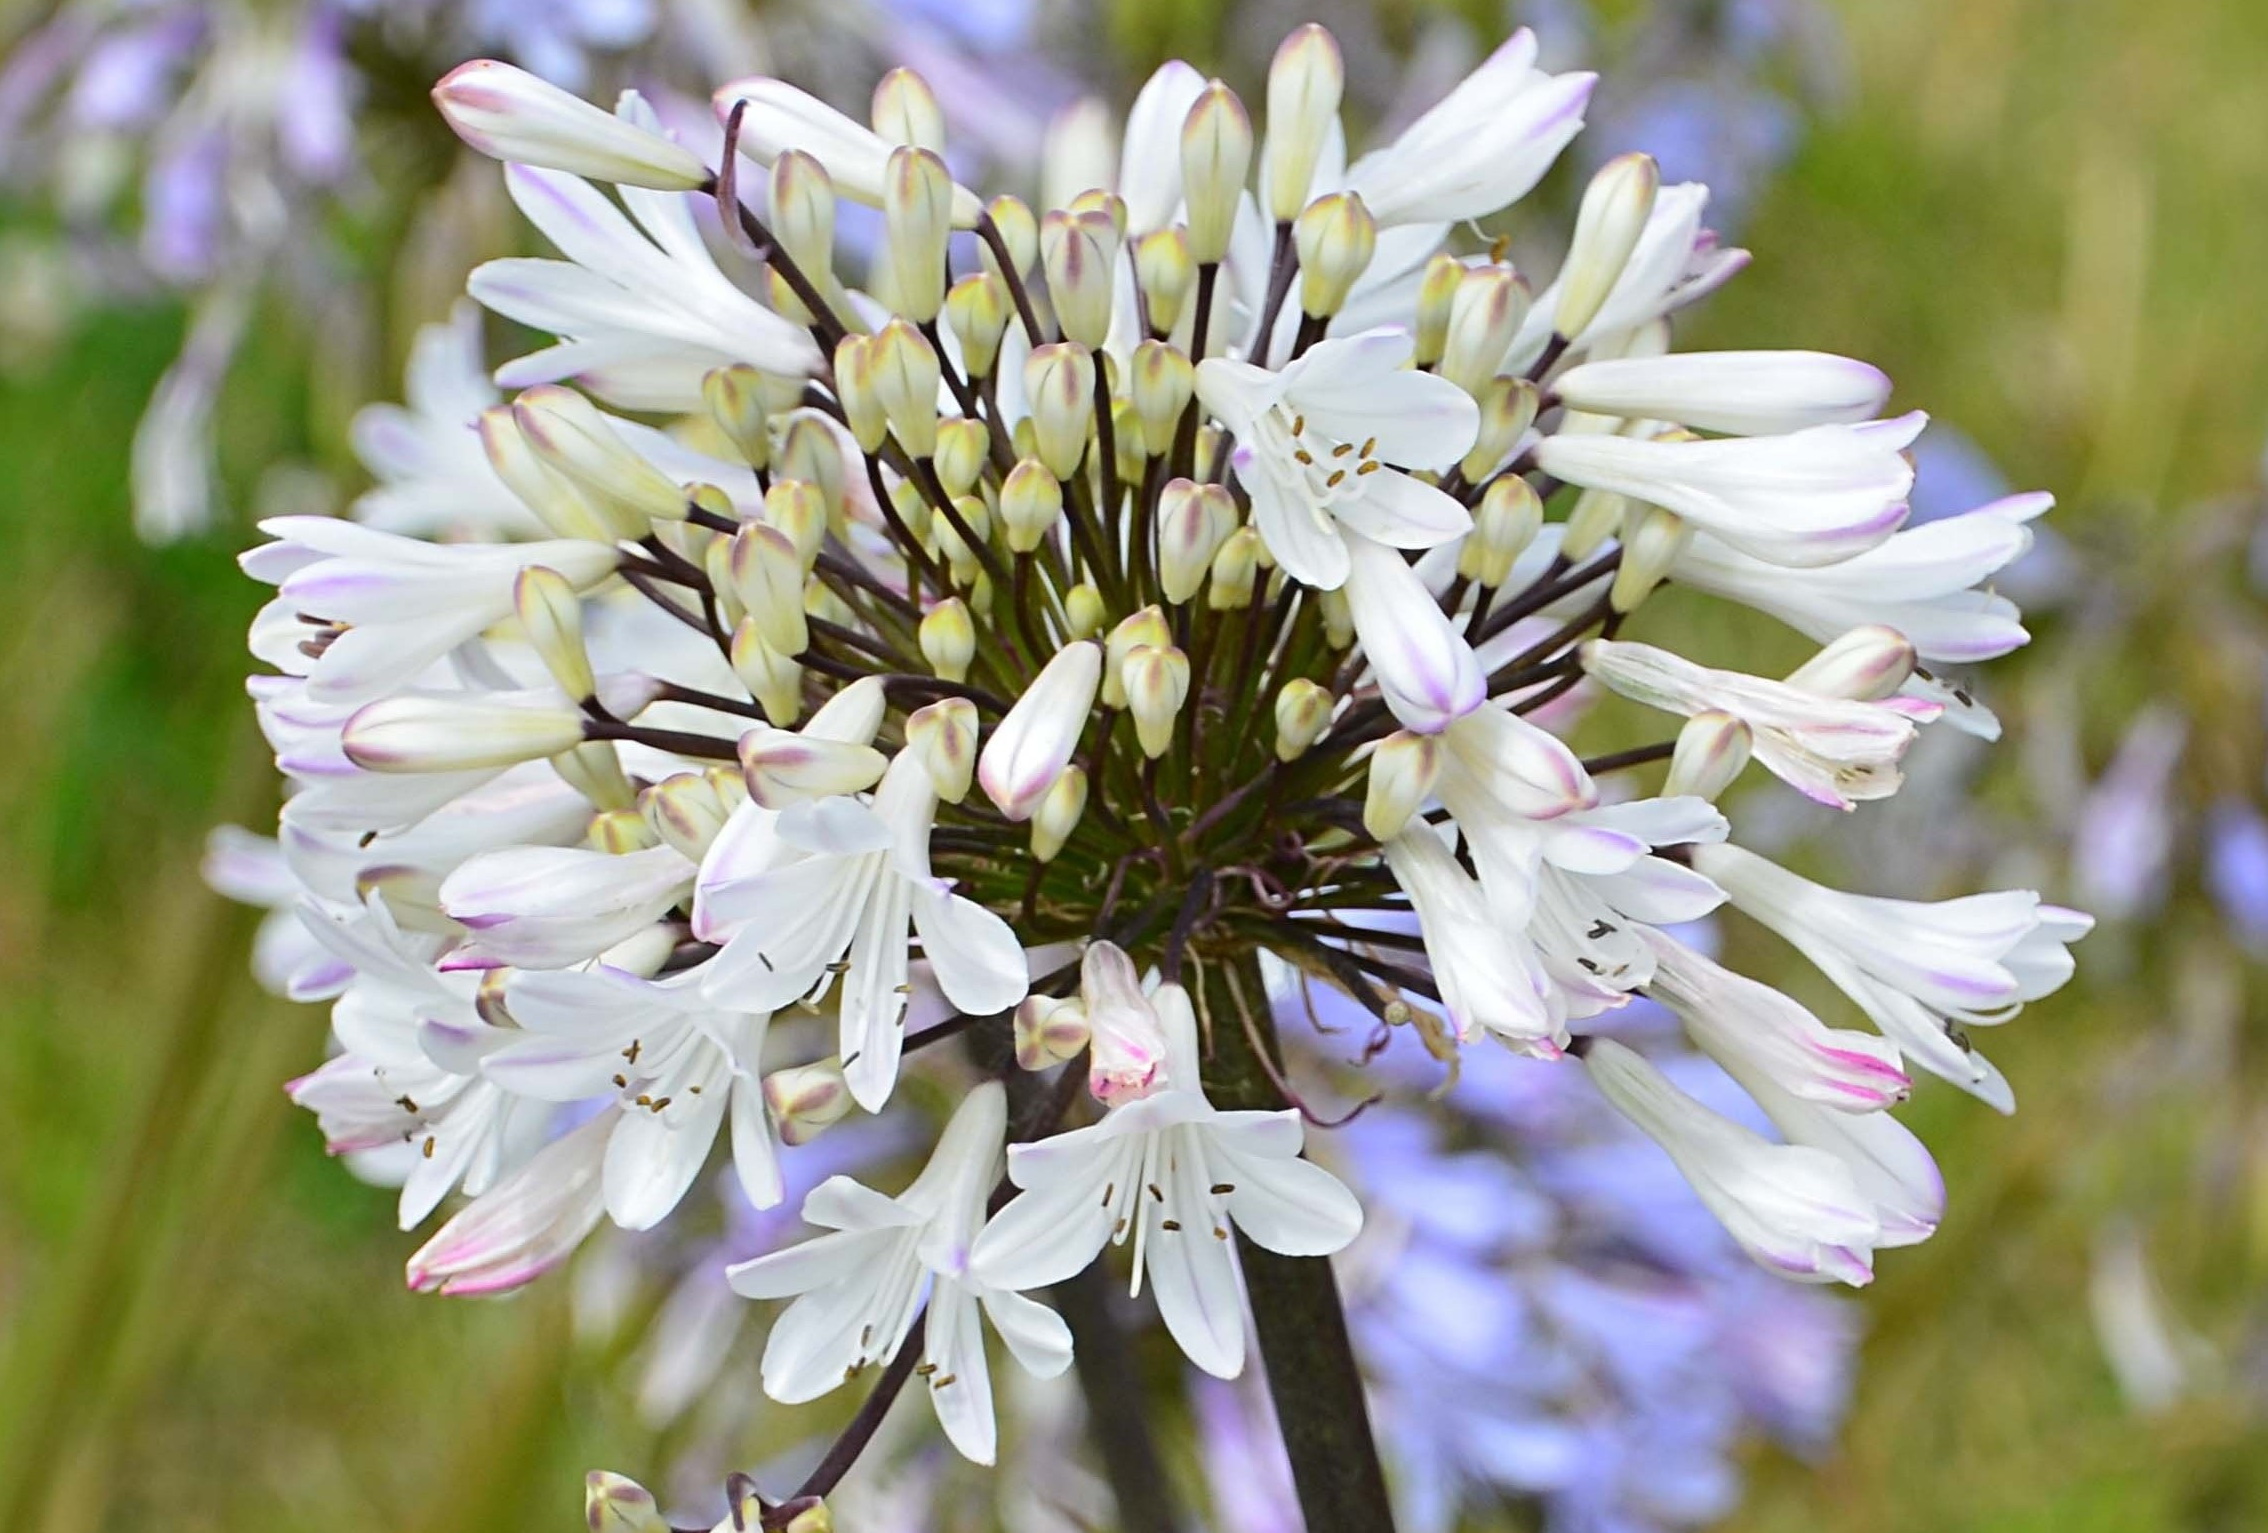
(1369, 466)
(1337, 475)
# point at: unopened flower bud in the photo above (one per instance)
(1711, 750)
(683, 810)
(1031, 746)
(805, 1514)
(551, 615)
(1080, 253)
(1216, 156)
(1049, 1030)
(855, 389)
(619, 832)
(948, 639)
(1338, 617)
(1093, 200)
(428, 732)
(1059, 813)
(1303, 712)
(1084, 610)
(766, 573)
(810, 451)
(1236, 571)
(577, 442)
(594, 769)
(1507, 410)
(961, 447)
(1867, 664)
(1157, 684)
(978, 310)
(917, 220)
(1125, 1033)
(1436, 296)
(1335, 238)
(613, 1504)
(782, 767)
(944, 737)
(1651, 541)
(1163, 379)
(735, 397)
(1059, 382)
(1305, 81)
(1504, 523)
(556, 502)
(807, 1100)
(1484, 317)
(1403, 770)
(1613, 214)
(1031, 502)
(906, 377)
(773, 679)
(1165, 273)
(1148, 626)
(803, 212)
(961, 550)
(905, 111)
(1128, 438)
(798, 508)
(1598, 515)
(1193, 521)
(508, 114)
(1019, 231)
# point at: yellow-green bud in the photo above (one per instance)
(619, 832)
(1059, 383)
(1651, 541)
(1031, 502)
(809, 451)
(594, 769)
(1059, 812)
(1163, 380)
(906, 376)
(1303, 712)
(1080, 253)
(944, 738)
(1019, 231)
(684, 811)
(959, 552)
(1504, 524)
(1216, 156)
(1335, 238)
(1403, 770)
(961, 447)
(1615, 208)
(767, 572)
(1193, 521)
(613, 1504)
(1483, 318)
(580, 444)
(735, 397)
(556, 502)
(1507, 410)
(1236, 569)
(905, 111)
(917, 220)
(807, 1100)
(1305, 81)
(773, 679)
(1338, 618)
(797, 508)
(948, 639)
(978, 309)
(551, 615)
(1436, 295)
(1598, 515)
(1156, 681)
(1712, 749)
(1166, 273)
(1084, 611)
(1147, 627)
(855, 389)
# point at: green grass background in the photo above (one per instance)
(2047, 218)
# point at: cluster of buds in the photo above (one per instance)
(1095, 601)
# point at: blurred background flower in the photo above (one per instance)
(228, 220)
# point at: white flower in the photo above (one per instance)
(1808, 498)
(858, 1288)
(1490, 976)
(1923, 972)
(1677, 262)
(1174, 1172)
(1744, 393)
(1833, 750)
(401, 603)
(1314, 441)
(847, 903)
(1797, 1210)
(546, 907)
(527, 1223)
(677, 1065)
(1922, 582)
(642, 310)
(286, 958)
(1481, 147)
(509, 114)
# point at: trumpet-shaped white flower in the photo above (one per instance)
(1490, 976)
(396, 604)
(858, 1288)
(1811, 497)
(525, 1225)
(846, 905)
(1744, 393)
(641, 309)
(677, 1065)
(1797, 1210)
(1922, 972)
(1175, 1173)
(1482, 147)
(1832, 750)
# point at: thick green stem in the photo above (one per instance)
(1302, 1328)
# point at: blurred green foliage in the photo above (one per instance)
(2044, 217)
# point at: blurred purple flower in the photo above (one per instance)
(2236, 869)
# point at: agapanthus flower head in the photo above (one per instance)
(1094, 611)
